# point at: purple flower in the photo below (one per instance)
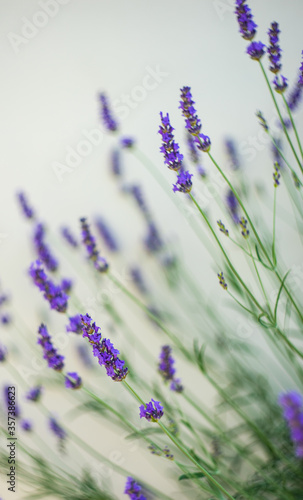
(292, 405)
(43, 251)
(137, 193)
(256, 50)
(233, 205)
(5, 319)
(69, 237)
(138, 280)
(90, 244)
(245, 20)
(104, 350)
(106, 115)
(192, 122)
(170, 149)
(243, 224)
(127, 142)
(232, 153)
(27, 210)
(184, 183)
(153, 242)
(106, 234)
(274, 51)
(295, 96)
(34, 394)
(73, 381)
(66, 285)
(75, 324)
(203, 143)
(56, 428)
(152, 411)
(54, 360)
(133, 489)
(116, 163)
(26, 425)
(3, 353)
(52, 293)
(195, 158)
(280, 84)
(167, 370)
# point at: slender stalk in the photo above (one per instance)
(293, 124)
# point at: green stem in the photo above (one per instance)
(293, 124)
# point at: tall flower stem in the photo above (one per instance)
(180, 446)
(293, 125)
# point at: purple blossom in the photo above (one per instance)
(245, 20)
(106, 234)
(133, 489)
(152, 241)
(73, 381)
(104, 350)
(43, 251)
(203, 143)
(137, 193)
(56, 428)
(3, 353)
(167, 370)
(280, 84)
(170, 149)
(274, 51)
(138, 279)
(232, 153)
(52, 293)
(222, 228)
(54, 360)
(66, 285)
(5, 319)
(27, 210)
(232, 205)
(69, 237)
(90, 244)
(192, 122)
(152, 411)
(184, 183)
(292, 405)
(127, 142)
(116, 163)
(34, 394)
(75, 324)
(26, 425)
(106, 114)
(256, 50)
(294, 97)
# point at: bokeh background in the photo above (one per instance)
(53, 67)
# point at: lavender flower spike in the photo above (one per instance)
(56, 428)
(104, 350)
(106, 234)
(152, 411)
(184, 183)
(27, 210)
(34, 394)
(245, 20)
(75, 324)
(256, 50)
(73, 381)
(133, 489)
(292, 404)
(170, 149)
(280, 84)
(274, 51)
(43, 251)
(106, 114)
(167, 370)
(54, 360)
(90, 244)
(52, 293)
(69, 237)
(192, 122)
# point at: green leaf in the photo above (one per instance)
(191, 475)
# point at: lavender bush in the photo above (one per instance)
(248, 443)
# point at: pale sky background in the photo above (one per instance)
(51, 76)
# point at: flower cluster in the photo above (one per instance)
(192, 122)
(57, 429)
(276, 174)
(26, 425)
(152, 411)
(106, 234)
(90, 244)
(152, 241)
(167, 370)
(222, 228)
(243, 224)
(75, 324)
(138, 279)
(106, 115)
(72, 380)
(54, 360)
(69, 237)
(116, 163)
(280, 84)
(232, 153)
(42, 249)
(245, 20)
(274, 51)
(183, 183)
(133, 489)
(34, 394)
(170, 149)
(256, 50)
(164, 452)
(104, 350)
(232, 205)
(27, 209)
(292, 404)
(127, 142)
(222, 280)
(52, 293)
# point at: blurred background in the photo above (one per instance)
(58, 55)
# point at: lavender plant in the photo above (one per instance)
(246, 445)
